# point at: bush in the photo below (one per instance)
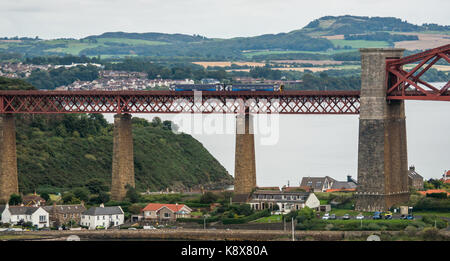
(15, 199)
(254, 216)
(435, 221)
(433, 204)
(208, 198)
(441, 195)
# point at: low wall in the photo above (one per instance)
(208, 234)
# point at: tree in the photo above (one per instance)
(68, 197)
(45, 196)
(96, 185)
(81, 194)
(132, 195)
(156, 122)
(134, 209)
(15, 199)
(208, 198)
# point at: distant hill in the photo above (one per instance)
(347, 24)
(162, 37)
(327, 35)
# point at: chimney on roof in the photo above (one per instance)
(102, 205)
(412, 168)
(82, 203)
(349, 178)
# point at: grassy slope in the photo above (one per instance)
(162, 159)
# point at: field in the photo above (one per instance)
(355, 44)
(269, 219)
(227, 64)
(313, 69)
(314, 62)
(426, 41)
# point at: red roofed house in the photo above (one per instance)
(166, 212)
(446, 177)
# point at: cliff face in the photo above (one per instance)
(65, 151)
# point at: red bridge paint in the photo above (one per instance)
(286, 102)
(404, 85)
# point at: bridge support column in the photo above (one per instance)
(382, 154)
(123, 159)
(245, 167)
(8, 159)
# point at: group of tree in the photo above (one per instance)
(51, 79)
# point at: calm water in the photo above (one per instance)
(319, 145)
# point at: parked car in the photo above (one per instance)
(360, 216)
(326, 216)
(377, 215)
(410, 217)
(346, 217)
(333, 216)
(388, 215)
(132, 228)
(99, 227)
(149, 227)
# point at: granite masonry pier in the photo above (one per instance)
(123, 159)
(8, 159)
(382, 154)
(245, 167)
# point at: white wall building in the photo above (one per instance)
(102, 216)
(286, 201)
(38, 216)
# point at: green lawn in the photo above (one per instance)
(269, 219)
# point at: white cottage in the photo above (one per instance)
(286, 201)
(38, 216)
(102, 216)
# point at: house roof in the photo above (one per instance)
(336, 190)
(96, 211)
(315, 182)
(343, 185)
(296, 189)
(413, 174)
(278, 196)
(20, 210)
(66, 209)
(157, 206)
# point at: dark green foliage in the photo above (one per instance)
(254, 216)
(265, 72)
(45, 196)
(208, 198)
(81, 194)
(64, 60)
(102, 197)
(132, 195)
(442, 195)
(435, 221)
(15, 199)
(49, 155)
(134, 209)
(14, 84)
(433, 204)
(96, 185)
(57, 77)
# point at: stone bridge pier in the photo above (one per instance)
(382, 154)
(245, 167)
(123, 157)
(8, 159)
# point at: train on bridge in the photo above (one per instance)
(227, 87)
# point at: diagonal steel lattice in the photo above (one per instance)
(286, 102)
(408, 85)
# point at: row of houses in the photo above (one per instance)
(58, 215)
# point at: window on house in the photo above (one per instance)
(103, 217)
(166, 215)
(42, 219)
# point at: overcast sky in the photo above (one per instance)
(50, 19)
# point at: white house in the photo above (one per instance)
(102, 216)
(38, 216)
(286, 201)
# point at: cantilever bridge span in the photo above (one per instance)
(286, 102)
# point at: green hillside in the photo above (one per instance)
(66, 151)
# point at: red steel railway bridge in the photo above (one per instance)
(382, 155)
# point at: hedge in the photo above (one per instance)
(198, 220)
(254, 216)
(354, 225)
(433, 204)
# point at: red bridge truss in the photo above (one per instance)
(404, 85)
(286, 102)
